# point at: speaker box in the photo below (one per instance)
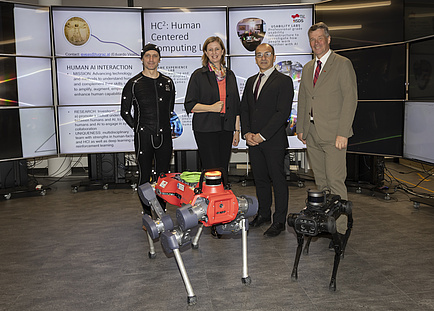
(107, 167)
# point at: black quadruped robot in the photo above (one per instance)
(318, 218)
(209, 202)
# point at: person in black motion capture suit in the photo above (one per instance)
(147, 103)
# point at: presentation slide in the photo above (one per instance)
(38, 132)
(418, 131)
(32, 30)
(97, 32)
(34, 81)
(183, 32)
(180, 70)
(94, 129)
(84, 81)
(284, 27)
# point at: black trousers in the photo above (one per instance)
(268, 174)
(214, 148)
(152, 149)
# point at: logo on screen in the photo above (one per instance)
(297, 18)
(77, 31)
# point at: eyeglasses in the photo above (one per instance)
(266, 54)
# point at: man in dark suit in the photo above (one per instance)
(265, 109)
(327, 103)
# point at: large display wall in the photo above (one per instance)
(27, 112)
(61, 95)
(96, 52)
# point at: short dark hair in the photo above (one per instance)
(320, 25)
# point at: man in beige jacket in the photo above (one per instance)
(326, 106)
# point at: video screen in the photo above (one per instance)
(380, 71)
(38, 131)
(180, 70)
(27, 117)
(378, 128)
(419, 21)
(8, 79)
(355, 23)
(10, 134)
(97, 32)
(284, 27)
(418, 131)
(93, 129)
(7, 31)
(94, 81)
(32, 30)
(421, 70)
(182, 32)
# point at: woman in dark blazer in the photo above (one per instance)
(213, 98)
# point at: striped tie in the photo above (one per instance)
(317, 71)
(255, 93)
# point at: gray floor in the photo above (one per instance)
(87, 251)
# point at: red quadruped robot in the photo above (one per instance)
(209, 202)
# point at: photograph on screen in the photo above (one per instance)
(100, 32)
(34, 81)
(378, 128)
(84, 81)
(251, 32)
(93, 129)
(284, 27)
(38, 132)
(180, 70)
(183, 32)
(32, 30)
(418, 131)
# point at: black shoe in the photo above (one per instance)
(258, 221)
(275, 229)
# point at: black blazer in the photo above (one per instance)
(268, 115)
(203, 88)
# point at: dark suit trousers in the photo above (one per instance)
(268, 172)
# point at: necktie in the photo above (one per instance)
(257, 85)
(317, 71)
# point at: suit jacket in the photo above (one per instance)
(203, 88)
(333, 99)
(268, 115)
